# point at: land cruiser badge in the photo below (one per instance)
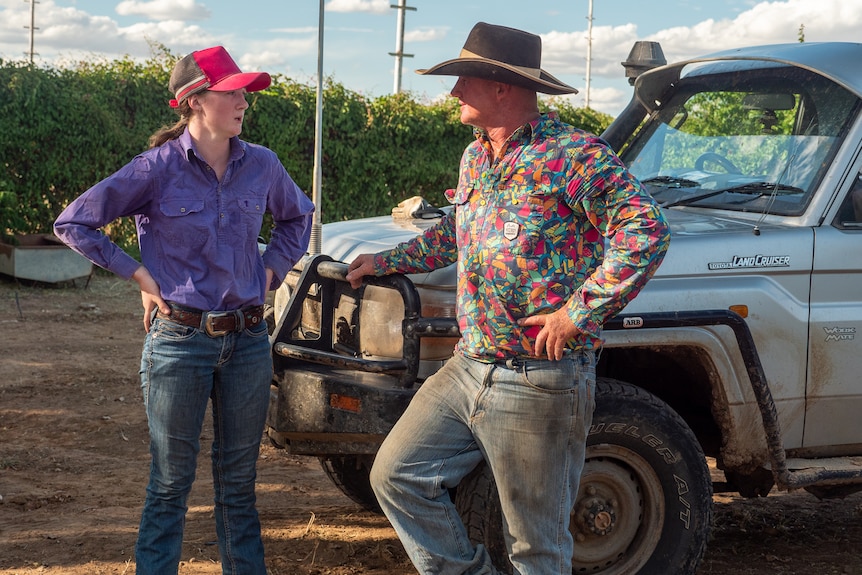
(758, 261)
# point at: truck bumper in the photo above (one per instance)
(323, 411)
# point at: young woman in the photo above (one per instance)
(198, 196)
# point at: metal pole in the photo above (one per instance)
(399, 46)
(32, 28)
(399, 43)
(316, 226)
(589, 52)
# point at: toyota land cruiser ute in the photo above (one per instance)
(741, 351)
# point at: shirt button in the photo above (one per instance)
(182, 210)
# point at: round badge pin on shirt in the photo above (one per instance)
(511, 230)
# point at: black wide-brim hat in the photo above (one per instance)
(502, 54)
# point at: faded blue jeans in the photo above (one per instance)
(182, 368)
(529, 420)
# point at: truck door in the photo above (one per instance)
(834, 389)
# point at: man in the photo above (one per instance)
(551, 235)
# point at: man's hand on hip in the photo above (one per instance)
(557, 330)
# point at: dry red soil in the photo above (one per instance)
(74, 461)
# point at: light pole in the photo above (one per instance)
(317, 175)
(32, 27)
(589, 52)
(402, 7)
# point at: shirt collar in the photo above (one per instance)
(237, 146)
(527, 132)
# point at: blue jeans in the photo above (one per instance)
(529, 420)
(182, 368)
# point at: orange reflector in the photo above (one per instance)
(345, 402)
(742, 310)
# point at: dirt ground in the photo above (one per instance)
(74, 461)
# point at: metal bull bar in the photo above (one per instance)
(324, 272)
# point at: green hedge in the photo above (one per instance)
(61, 130)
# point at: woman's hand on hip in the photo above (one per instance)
(150, 295)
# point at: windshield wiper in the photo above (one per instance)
(765, 188)
(756, 188)
(671, 182)
(692, 199)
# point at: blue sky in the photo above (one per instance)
(280, 36)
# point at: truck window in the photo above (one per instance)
(757, 140)
(850, 213)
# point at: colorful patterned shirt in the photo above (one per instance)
(556, 221)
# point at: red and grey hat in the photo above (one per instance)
(212, 69)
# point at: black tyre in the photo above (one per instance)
(645, 499)
(350, 475)
(269, 318)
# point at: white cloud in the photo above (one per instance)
(425, 34)
(178, 36)
(277, 56)
(376, 6)
(67, 34)
(265, 61)
(765, 23)
(565, 52)
(71, 31)
(59, 28)
(300, 30)
(164, 9)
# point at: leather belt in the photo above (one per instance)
(519, 362)
(215, 323)
(514, 362)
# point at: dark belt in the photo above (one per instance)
(519, 362)
(514, 362)
(215, 323)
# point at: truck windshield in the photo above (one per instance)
(741, 136)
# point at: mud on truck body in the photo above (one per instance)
(741, 350)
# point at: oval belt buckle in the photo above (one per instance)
(209, 325)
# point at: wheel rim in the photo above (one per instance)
(617, 519)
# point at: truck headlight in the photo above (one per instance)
(437, 302)
(381, 312)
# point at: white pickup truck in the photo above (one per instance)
(741, 352)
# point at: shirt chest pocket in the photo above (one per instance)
(253, 207)
(181, 208)
(183, 224)
(251, 211)
(514, 226)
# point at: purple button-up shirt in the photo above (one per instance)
(198, 236)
